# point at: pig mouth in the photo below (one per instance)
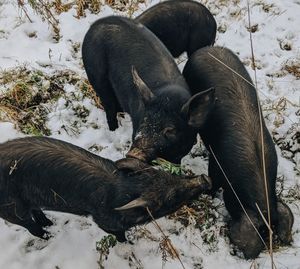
(141, 154)
(137, 154)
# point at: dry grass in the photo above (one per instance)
(46, 12)
(202, 214)
(289, 143)
(88, 91)
(289, 67)
(26, 97)
(49, 10)
(81, 6)
(293, 69)
(167, 249)
(166, 246)
(128, 6)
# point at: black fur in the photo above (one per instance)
(182, 25)
(232, 130)
(112, 47)
(40, 172)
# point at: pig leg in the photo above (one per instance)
(243, 235)
(110, 103)
(32, 227)
(284, 223)
(40, 218)
(215, 174)
(113, 225)
(120, 235)
(18, 213)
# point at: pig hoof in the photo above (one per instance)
(120, 236)
(40, 218)
(285, 223)
(113, 125)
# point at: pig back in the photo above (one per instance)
(122, 44)
(233, 128)
(182, 25)
(39, 167)
(236, 101)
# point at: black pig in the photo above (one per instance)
(232, 132)
(40, 172)
(182, 25)
(117, 52)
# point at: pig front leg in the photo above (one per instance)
(120, 235)
(40, 218)
(18, 212)
(216, 175)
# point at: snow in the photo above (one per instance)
(73, 244)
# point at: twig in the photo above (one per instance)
(264, 219)
(218, 60)
(165, 238)
(13, 167)
(198, 248)
(48, 11)
(262, 142)
(253, 265)
(243, 78)
(134, 259)
(57, 195)
(21, 4)
(238, 199)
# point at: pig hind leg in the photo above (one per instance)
(40, 218)
(18, 213)
(216, 175)
(109, 101)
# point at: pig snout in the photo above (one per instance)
(137, 154)
(202, 182)
(142, 149)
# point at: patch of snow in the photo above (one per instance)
(73, 245)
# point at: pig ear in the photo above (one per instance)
(139, 202)
(142, 88)
(197, 109)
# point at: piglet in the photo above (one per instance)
(182, 25)
(44, 173)
(232, 133)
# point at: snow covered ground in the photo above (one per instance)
(74, 117)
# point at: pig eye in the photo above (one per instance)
(169, 133)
